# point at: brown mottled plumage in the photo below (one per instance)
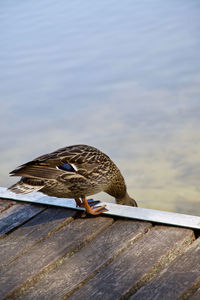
(73, 172)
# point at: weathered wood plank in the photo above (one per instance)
(17, 215)
(4, 204)
(86, 262)
(44, 255)
(137, 265)
(25, 236)
(178, 280)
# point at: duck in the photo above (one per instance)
(76, 171)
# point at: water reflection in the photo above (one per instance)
(123, 77)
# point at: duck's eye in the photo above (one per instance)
(67, 167)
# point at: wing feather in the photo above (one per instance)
(35, 171)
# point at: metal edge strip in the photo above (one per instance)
(136, 213)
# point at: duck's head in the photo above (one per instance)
(126, 200)
(117, 189)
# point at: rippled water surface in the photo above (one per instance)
(123, 76)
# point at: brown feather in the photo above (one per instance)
(38, 172)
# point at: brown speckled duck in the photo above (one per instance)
(73, 172)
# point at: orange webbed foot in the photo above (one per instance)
(90, 207)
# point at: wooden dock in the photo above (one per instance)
(58, 253)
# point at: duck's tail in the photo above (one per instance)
(22, 187)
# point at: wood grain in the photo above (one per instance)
(16, 215)
(137, 265)
(178, 280)
(47, 253)
(86, 262)
(50, 253)
(27, 235)
(4, 204)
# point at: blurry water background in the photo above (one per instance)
(123, 76)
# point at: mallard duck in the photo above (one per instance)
(73, 172)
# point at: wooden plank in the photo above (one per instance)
(44, 255)
(27, 235)
(178, 281)
(86, 262)
(4, 204)
(137, 265)
(17, 215)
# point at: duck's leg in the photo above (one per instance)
(91, 202)
(78, 202)
(92, 209)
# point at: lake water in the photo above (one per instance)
(123, 76)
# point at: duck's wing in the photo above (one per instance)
(35, 170)
(78, 159)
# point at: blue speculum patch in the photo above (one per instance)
(66, 167)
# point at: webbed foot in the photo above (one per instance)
(90, 207)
